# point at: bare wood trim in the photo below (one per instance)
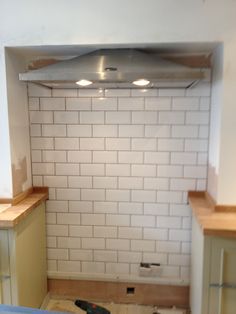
(20, 197)
(199, 194)
(40, 189)
(6, 200)
(225, 208)
(103, 291)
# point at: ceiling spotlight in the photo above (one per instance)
(141, 82)
(84, 82)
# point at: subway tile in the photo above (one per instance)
(51, 242)
(158, 103)
(93, 117)
(130, 157)
(105, 182)
(51, 218)
(57, 254)
(170, 145)
(68, 194)
(41, 117)
(203, 131)
(92, 169)
(105, 256)
(205, 103)
(78, 104)
(117, 220)
(171, 117)
(131, 130)
(93, 267)
(168, 222)
(80, 206)
(117, 92)
(79, 156)
(142, 221)
(41, 143)
(156, 184)
(92, 195)
(93, 219)
(143, 196)
(156, 158)
(79, 130)
(118, 244)
(35, 130)
(105, 207)
(36, 155)
(199, 172)
(169, 197)
(57, 230)
(197, 117)
(144, 92)
(130, 208)
(92, 144)
(117, 170)
(141, 144)
(185, 103)
(183, 158)
(104, 157)
(155, 257)
(105, 232)
(93, 243)
(89, 92)
(54, 156)
(68, 243)
(68, 219)
(53, 104)
(134, 103)
(143, 170)
(168, 246)
(201, 89)
(144, 117)
(102, 103)
(130, 233)
(170, 271)
(201, 184)
(37, 180)
(184, 131)
(33, 103)
(179, 259)
(196, 145)
(53, 130)
(142, 245)
(156, 209)
(129, 257)
(67, 169)
(117, 195)
(66, 143)
(178, 92)
(180, 210)
(105, 130)
(120, 144)
(80, 231)
(80, 182)
(69, 266)
(55, 181)
(130, 183)
(118, 117)
(38, 91)
(159, 131)
(155, 234)
(170, 171)
(117, 268)
(81, 255)
(64, 92)
(42, 168)
(56, 206)
(66, 117)
(182, 184)
(180, 235)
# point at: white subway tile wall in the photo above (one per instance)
(118, 165)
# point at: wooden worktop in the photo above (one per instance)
(214, 220)
(12, 214)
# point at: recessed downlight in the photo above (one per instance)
(141, 82)
(84, 83)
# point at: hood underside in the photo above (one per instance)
(115, 68)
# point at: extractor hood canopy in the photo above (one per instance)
(115, 68)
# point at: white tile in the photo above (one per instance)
(37, 180)
(130, 157)
(147, 144)
(93, 267)
(130, 208)
(130, 183)
(131, 130)
(117, 92)
(117, 195)
(51, 218)
(117, 170)
(102, 103)
(203, 131)
(105, 256)
(68, 243)
(35, 130)
(52, 193)
(143, 170)
(130, 233)
(69, 266)
(43, 168)
(93, 243)
(185, 103)
(80, 182)
(199, 172)
(168, 246)
(105, 207)
(143, 196)
(180, 210)
(81, 255)
(79, 130)
(57, 206)
(130, 257)
(179, 259)
(133, 103)
(88, 92)
(92, 194)
(169, 197)
(36, 155)
(170, 171)
(51, 241)
(186, 247)
(118, 117)
(104, 157)
(196, 145)
(170, 145)
(35, 90)
(94, 117)
(66, 117)
(79, 156)
(92, 169)
(197, 117)
(144, 117)
(80, 231)
(68, 219)
(155, 234)
(105, 182)
(53, 130)
(57, 230)
(58, 254)
(170, 271)
(185, 272)
(118, 244)
(156, 158)
(205, 103)
(142, 221)
(144, 92)
(182, 184)
(117, 220)
(67, 169)
(121, 144)
(33, 103)
(41, 117)
(93, 219)
(172, 92)
(158, 103)
(80, 206)
(184, 131)
(160, 131)
(156, 209)
(55, 181)
(78, 104)
(66, 143)
(105, 232)
(68, 194)
(201, 89)
(42, 143)
(201, 185)
(183, 158)
(142, 245)
(168, 222)
(155, 258)
(156, 184)
(64, 92)
(92, 144)
(180, 235)
(171, 117)
(54, 156)
(186, 222)
(117, 268)
(105, 130)
(52, 104)
(52, 265)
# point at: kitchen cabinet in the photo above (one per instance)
(23, 260)
(213, 273)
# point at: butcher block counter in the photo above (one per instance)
(214, 220)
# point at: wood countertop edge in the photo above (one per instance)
(207, 214)
(14, 214)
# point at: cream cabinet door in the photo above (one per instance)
(222, 297)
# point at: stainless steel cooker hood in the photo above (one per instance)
(115, 68)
